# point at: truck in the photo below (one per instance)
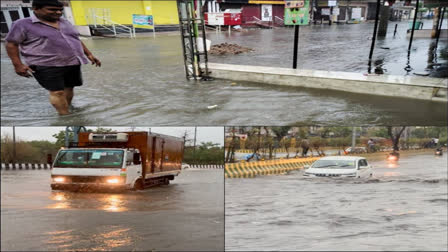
(121, 161)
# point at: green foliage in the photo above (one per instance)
(206, 153)
(26, 152)
(60, 136)
(380, 132)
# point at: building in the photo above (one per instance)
(86, 13)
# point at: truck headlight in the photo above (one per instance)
(59, 179)
(113, 181)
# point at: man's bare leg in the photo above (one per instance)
(59, 101)
(69, 95)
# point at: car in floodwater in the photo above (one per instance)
(340, 166)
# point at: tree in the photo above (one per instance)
(395, 134)
(60, 136)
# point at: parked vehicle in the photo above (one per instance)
(340, 166)
(356, 150)
(125, 160)
(251, 156)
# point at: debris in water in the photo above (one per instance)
(422, 73)
(228, 48)
(212, 106)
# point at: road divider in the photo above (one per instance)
(207, 166)
(268, 167)
(25, 166)
(414, 87)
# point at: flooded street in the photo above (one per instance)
(142, 81)
(403, 207)
(188, 214)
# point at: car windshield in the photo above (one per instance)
(89, 158)
(335, 164)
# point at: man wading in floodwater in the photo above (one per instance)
(52, 51)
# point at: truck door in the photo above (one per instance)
(157, 154)
(133, 168)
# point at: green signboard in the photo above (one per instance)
(297, 12)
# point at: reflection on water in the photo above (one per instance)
(36, 218)
(116, 236)
(392, 165)
(106, 202)
(114, 203)
(61, 199)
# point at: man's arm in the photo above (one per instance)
(13, 52)
(90, 56)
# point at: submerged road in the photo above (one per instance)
(142, 82)
(188, 214)
(403, 207)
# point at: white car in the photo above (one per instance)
(185, 166)
(340, 166)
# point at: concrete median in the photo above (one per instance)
(269, 167)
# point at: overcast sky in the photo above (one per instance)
(204, 134)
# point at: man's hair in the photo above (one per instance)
(38, 4)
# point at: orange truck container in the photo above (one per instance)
(122, 160)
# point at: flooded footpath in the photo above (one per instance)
(142, 82)
(403, 207)
(187, 215)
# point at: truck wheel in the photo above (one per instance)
(166, 181)
(138, 185)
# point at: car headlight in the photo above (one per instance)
(59, 179)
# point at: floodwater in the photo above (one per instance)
(188, 214)
(142, 81)
(403, 207)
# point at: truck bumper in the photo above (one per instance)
(89, 186)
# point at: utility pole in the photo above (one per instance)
(353, 138)
(413, 27)
(14, 144)
(194, 143)
(378, 4)
(384, 19)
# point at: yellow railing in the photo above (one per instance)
(252, 169)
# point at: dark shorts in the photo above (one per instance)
(58, 78)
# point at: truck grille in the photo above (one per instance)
(85, 179)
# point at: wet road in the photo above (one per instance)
(142, 82)
(403, 207)
(185, 215)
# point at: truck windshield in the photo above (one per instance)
(90, 158)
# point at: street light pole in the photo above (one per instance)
(14, 144)
(378, 4)
(353, 138)
(413, 26)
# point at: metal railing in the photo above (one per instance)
(278, 20)
(101, 18)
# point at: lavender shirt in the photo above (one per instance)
(43, 45)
